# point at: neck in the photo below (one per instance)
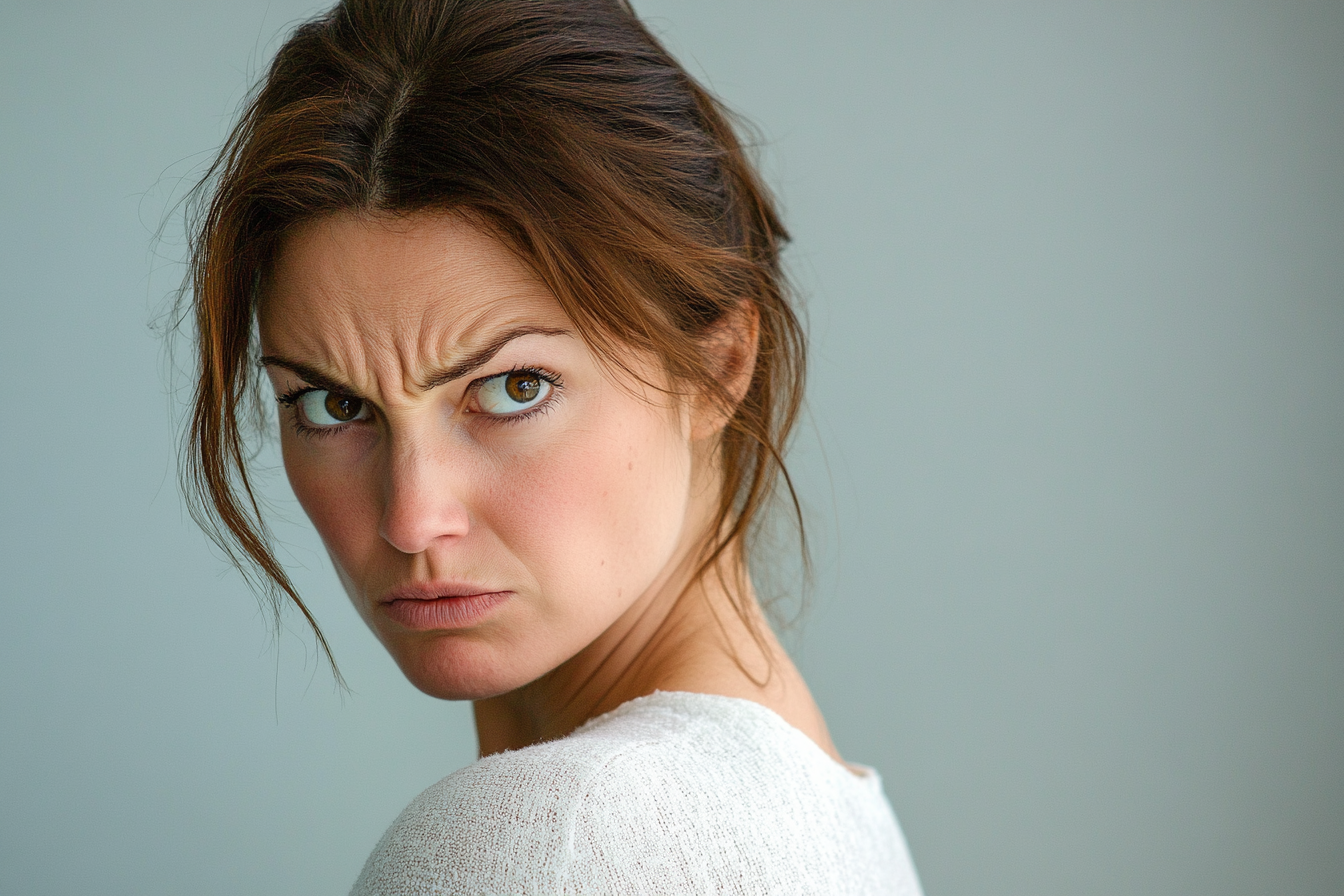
(682, 635)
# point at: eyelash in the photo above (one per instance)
(290, 398)
(557, 385)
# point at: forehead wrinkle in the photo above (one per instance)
(432, 316)
(396, 309)
(443, 344)
(448, 336)
(367, 358)
(334, 342)
(472, 296)
(349, 357)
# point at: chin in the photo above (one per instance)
(461, 671)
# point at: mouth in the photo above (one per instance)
(434, 606)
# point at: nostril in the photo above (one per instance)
(412, 530)
(423, 498)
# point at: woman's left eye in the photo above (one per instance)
(513, 392)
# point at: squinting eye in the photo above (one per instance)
(322, 408)
(510, 393)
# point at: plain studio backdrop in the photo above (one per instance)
(1075, 453)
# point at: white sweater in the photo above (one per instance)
(675, 793)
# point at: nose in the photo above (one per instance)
(422, 506)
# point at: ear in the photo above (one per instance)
(730, 348)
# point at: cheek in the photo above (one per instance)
(598, 512)
(340, 504)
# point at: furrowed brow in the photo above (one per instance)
(311, 375)
(467, 365)
(471, 363)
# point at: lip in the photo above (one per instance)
(438, 606)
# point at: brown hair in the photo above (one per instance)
(564, 126)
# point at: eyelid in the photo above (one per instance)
(554, 379)
(539, 372)
(287, 399)
(307, 429)
(293, 395)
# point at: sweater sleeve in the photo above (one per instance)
(502, 825)
(548, 820)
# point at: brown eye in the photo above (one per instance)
(512, 393)
(322, 408)
(522, 387)
(343, 407)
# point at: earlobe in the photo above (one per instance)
(730, 349)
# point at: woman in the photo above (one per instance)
(516, 287)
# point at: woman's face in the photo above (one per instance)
(493, 496)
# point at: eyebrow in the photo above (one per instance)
(470, 364)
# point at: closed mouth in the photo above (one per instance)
(440, 606)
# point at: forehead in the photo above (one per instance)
(406, 279)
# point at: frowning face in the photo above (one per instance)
(493, 496)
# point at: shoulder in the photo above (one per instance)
(502, 824)
(670, 793)
(507, 823)
(727, 792)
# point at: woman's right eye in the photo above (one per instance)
(320, 408)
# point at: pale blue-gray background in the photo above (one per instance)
(1075, 273)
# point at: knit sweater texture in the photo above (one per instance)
(674, 793)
